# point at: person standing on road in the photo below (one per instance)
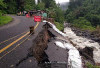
(44, 15)
(24, 12)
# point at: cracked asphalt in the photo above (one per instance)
(18, 58)
(19, 25)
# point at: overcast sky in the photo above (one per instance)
(60, 1)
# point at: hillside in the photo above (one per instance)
(84, 14)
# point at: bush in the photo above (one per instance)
(94, 19)
(91, 66)
(83, 23)
(60, 26)
(56, 13)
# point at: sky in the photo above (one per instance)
(60, 1)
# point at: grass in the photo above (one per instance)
(5, 19)
(60, 26)
(92, 66)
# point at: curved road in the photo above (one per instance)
(14, 53)
(17, 26)
(13, 50)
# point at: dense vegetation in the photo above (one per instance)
(89, 65)
(84, 14)
(3, 19)
(60, 26)
(14, 6)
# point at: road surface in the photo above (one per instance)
(13, 45)
(15, 42)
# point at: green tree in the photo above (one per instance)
(29, 4)
(88, 9)
(11, 6)
(49, 3)
(40, 6)
(2, 7)
(59, 15)
(20, 5)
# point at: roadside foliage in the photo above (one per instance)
(87, 11)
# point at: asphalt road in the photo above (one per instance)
(14, 52)
(15, 49)
(17, 26)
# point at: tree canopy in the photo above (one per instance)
(13, 6)
(84, 10)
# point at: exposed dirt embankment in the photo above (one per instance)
(51, 47)
(46, 52)
(40, 45)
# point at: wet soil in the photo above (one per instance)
(44, 50)
(87, 55)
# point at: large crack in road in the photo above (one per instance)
(39, 47)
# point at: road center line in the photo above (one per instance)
(13, 42)
(36, 25)
(12, 37)
(17, 39)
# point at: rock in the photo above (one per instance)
(91, 41)
(87, 34)
(87, 53)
